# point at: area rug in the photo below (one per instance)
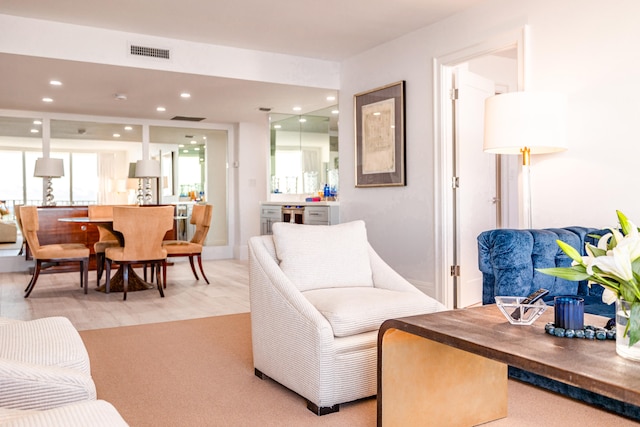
(199, 372)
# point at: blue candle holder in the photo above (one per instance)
(569, 312)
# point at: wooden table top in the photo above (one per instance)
(589, 364)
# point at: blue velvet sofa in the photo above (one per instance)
(508, 260)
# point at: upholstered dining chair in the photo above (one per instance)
(53, 253)
(106, 240)
(201, 218)
(142, 231)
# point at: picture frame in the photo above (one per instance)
(380, 136)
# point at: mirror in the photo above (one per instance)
(96, 159)
(304, 152)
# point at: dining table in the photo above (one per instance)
(116, 284)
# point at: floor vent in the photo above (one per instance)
(150, 52)
(188, 119)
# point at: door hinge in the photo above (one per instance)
(453, 94)
(455, 271)
(455, 182)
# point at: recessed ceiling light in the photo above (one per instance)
(194, 142)
(35, 131)
(161, 109)
(297, 108)
(47, 100)
(331, 98)
(185, 95)
(55, 83)
(277, 126)
(116, 135)
(196, 149)
(37, 122)
(302, 120)
(128, 128)
(335, 111)
(185, 151)
(120, 96)
(181, 146)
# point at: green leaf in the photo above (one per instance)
(575, 273)
(570, 251)
(595, 251)
(634, 324)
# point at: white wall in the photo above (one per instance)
(584, 48)
(253, 153)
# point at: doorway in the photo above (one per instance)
(462, 213)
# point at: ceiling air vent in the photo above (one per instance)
(150, 52)
(188, 119)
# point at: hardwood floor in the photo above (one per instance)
(185, 297)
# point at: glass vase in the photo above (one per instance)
(623, 310)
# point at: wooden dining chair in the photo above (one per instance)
(106, 240)
(201, 218)
(142, 231)
(53, 253)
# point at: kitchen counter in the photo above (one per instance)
(299, 203)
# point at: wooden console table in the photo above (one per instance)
(438, 368)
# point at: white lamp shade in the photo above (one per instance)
(536, 120)
(147, 169)
(48, 168)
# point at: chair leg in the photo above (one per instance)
(125, 280)
(32, 283)
(107, 283)
(164, 274)
(100, 260)
(159, 283)
(144, 271)
(201, 270)
(193, 267)
(84, 264)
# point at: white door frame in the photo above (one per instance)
(443, 152)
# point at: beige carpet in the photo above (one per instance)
(200, 373)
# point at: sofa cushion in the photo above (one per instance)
(356, 310)
(324, 256)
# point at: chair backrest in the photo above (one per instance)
(18, 221)
(143, 230)
(29, 220)
(201, 218)
(102, 211)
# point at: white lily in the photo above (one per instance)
(616, 262)
(609, 296)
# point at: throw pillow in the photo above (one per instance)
(323, 256)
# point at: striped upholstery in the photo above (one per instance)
(43, 364)
(96, 413)
(295, 344)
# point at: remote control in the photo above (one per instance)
(530, 299)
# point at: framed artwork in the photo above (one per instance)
(379, 129)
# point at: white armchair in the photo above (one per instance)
(318, 297)
(43, 364)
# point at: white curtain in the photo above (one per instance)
(106, 179)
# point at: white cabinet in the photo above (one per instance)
(313, 214)
(321, 215)
(268, 215)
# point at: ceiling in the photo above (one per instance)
(329, 30)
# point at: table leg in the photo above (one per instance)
(136, 283)
(424, 382)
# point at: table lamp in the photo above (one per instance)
(525, 123)
(48, 168)
(147, 169)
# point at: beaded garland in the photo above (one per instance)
(589, 332)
